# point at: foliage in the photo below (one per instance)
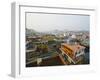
(42, 48)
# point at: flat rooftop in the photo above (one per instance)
(53, 61)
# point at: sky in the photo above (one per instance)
(42, 22)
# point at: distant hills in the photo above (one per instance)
(32, 32)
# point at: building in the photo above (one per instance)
(72, 53)
(46, 61)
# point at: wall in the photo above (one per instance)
(5, 40)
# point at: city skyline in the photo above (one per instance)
(49, 22)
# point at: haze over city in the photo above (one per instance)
(57, 39)
(48, 22)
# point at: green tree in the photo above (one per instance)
(42, 48)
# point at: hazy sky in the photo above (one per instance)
(48, 22)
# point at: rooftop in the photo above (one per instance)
(71, 50)
(74, 47)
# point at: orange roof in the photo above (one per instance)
(71, 50)
(74, 47)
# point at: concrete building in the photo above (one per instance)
(72, 53)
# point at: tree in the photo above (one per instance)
(42, 48)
